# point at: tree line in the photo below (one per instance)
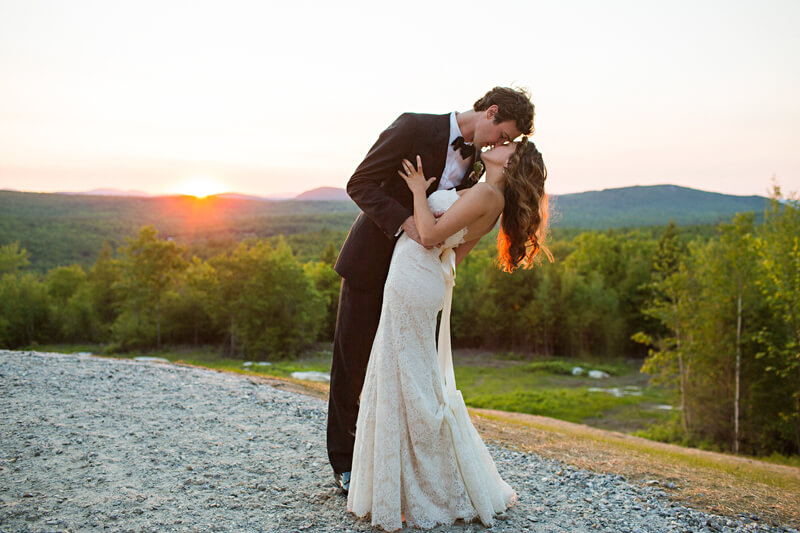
(729, 311)
(716, 317)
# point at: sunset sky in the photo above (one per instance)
(267, 98)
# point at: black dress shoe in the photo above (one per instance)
(342, 481)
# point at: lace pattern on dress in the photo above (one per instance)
(417, 453)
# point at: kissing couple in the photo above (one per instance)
(399, 437)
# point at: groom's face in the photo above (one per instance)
(487, 133)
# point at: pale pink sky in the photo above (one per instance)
(267, 98)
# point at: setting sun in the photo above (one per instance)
(200, 187)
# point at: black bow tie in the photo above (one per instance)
(467, 150)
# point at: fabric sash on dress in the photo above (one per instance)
(445, 351)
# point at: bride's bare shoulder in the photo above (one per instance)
(483, 191)
(479, 189)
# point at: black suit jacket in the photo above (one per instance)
(383, 196)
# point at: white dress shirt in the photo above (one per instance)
(455, 166)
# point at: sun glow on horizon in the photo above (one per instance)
(200, 187)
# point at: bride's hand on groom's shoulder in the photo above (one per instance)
(415, 177)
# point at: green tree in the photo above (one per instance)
(265, 301)
(672, 304)
(499, 306)
(148, 269)
(327, 283)
(620, 267)
(329, 254)
(102, 291)
(13, 258)
(229, 274)
(24, 310)
(469, 297)
(717, 321)
(543, 313)
(779, 251)
(70, 315)
(593, 320)
(738, 255)
(186, 312)
(669, 251)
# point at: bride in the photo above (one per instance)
(417, 456)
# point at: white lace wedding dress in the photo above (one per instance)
(417, 454)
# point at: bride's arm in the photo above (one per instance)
(463, 212)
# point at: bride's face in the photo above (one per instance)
(499, 154)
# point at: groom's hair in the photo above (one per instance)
(512, 103)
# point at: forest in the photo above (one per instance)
(714, 312)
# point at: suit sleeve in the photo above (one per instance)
(382, 163)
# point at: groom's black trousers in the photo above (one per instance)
(356, 324)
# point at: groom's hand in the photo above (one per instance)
(411, 230)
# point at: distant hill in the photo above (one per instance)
(59, 229)
(324, 193)
(652, 205)
(110, 192)
(236, 196)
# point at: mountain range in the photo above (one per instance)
(650, 205)
(585, 209)
(318, 194)
(62, 228)
(636, 206)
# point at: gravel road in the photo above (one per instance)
(95, 444)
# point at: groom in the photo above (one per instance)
(447, 144)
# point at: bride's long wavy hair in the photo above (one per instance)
(523, 224)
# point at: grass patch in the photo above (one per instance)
(286, 368)
(564, 368)
(780, 459)
(548, 388)
(319, 361)
(573, 405)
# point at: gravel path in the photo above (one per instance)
(91, 444)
